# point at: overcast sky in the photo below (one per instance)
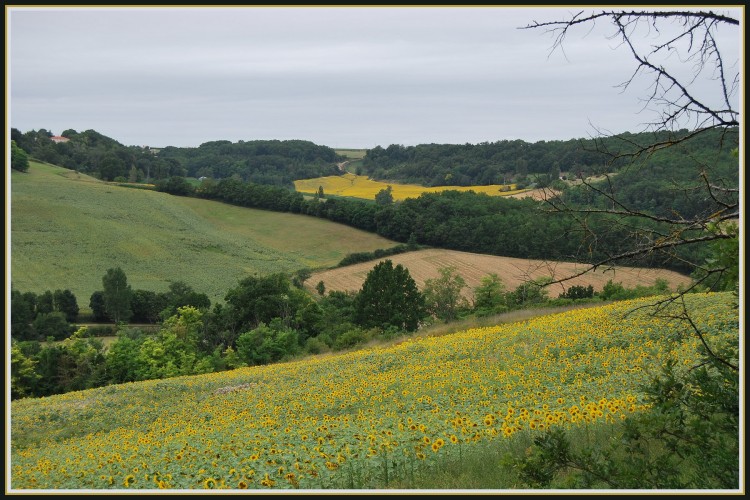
(345, 77)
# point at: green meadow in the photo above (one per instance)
(67, 229)
(352, 154)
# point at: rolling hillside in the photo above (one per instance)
(67, 229)
(425, 264)
(371, 418)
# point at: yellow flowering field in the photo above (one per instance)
(337, 421)
(359, 186)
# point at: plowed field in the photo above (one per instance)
(425, 264)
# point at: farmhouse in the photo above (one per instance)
(58, 139)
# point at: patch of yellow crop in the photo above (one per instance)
(360, 186)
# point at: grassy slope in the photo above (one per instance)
(67, 229)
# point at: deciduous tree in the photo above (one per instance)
(390, 297)
(443, 294)
(19, 159)
(117, 295)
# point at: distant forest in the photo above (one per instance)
(542, 162)
(270, 162)
(280, 163)
(259, 174)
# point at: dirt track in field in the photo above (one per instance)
(425, 264)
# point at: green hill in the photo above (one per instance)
(67, 229)
(419, 413)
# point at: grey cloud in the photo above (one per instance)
(344, 77)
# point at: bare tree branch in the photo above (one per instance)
(668, 91)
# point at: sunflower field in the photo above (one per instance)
(346, 421)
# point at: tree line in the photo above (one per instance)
(542, 162)
(466, 221)
(271, 162)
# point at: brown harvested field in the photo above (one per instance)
(538, 194)
(425, 264)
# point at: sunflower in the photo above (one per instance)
(267, 481)
(209, 483)
(129, 480)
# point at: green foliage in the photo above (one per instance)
(66, 302)
(576, 292)
(175, 185)
(123, 362)
(315, 345)
(117, 295)
(489, 296)
(721, 271)
(268, 162)
(146, 306)
(498, 162)
(75, 364)
(260, 299)
(300, 276)
(615, 291)
(354, 258)
(443, 298)
(389, 297)
(22, 313)
(263, 162)
(384, 196)
(529, 292)
(174, 350)
(267, 344)
(19, 160)
(23, 377)
(52, 325)
(351, 338)
(98, 309)
(180, 294)
(231, 359)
